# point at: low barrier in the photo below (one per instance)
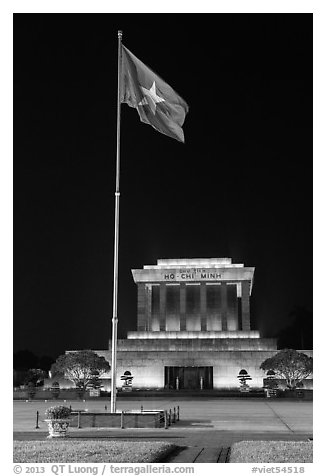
(72, 394)
(123, 419)
(148, 419)
(45, 394)
(298, 394)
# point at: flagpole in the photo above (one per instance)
(116, 243)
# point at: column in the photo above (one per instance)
(183, 326)
(162, 307)
(155, 308)
(224, 307)
(203, 307)
(172, 308)
(141, 307)
(193, 306)
(245, 305)
(232, 307)
(148, 307)
(213, 306)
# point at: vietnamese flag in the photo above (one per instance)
(156, 102)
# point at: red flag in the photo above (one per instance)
(156, 102)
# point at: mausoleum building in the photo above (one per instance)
(193, 327)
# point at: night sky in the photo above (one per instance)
(240, 186)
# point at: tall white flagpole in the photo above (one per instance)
(116, 244)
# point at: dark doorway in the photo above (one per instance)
(188, 378)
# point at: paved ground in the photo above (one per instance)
(207, 427)
(256, 415)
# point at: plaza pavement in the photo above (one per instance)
(207, 427)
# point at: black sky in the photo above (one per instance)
(240, 187)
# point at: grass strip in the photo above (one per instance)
(271, 452)
(54, 451)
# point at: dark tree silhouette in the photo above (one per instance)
(45, 362)
(298, 334)
(24, 360)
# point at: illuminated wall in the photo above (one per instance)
(188, 298)
(147, 368)
(193, 313)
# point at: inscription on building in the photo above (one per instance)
(192, 275)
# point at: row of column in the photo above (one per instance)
(146, 313)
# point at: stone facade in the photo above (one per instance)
(193, 327)
(194, 295)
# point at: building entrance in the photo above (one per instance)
(188, 378)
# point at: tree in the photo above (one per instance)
(31, 390)
(35, 376)
(24, 360)
(298, 333)
(290, 365)
(45, 362)
(80, 367)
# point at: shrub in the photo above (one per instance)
(31, 390)
(55, 390)
(57, 412)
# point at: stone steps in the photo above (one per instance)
(198, 454)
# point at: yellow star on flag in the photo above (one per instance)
(151, 98)
(144, 90)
